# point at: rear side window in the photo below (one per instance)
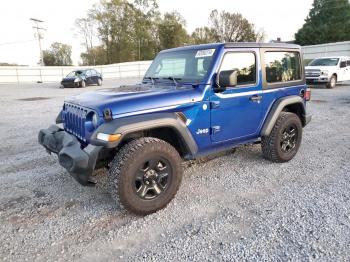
(282, 66)
(243, 63)
(348, 62)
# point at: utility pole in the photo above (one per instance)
(39, 36)
(139, 49)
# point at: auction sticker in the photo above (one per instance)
(205, 52)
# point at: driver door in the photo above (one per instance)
(88, 77)
(236, 112)
(347, 69)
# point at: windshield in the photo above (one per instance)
(324, 62)
(74, 73)
(181, 66)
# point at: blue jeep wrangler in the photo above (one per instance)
(193, 101)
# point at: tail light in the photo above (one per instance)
(307, 94)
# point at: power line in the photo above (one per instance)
(17, 42)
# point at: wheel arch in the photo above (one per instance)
(293, 104)
(166, 133)
(169, 127)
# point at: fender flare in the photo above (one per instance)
(137, 123)
(277, 109)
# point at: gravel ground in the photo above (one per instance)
(234, 207)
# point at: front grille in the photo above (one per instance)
(74, 120)
(312, 73)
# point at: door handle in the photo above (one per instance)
(255, 98)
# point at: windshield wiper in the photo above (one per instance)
(152, 79)
(174, 79)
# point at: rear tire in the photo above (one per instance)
(145, 175)
(332, 82)
(284, 140)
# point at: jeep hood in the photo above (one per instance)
(130, 99)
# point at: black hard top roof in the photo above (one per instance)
(262, 45)
(236, 45)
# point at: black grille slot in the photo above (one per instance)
(74, 120)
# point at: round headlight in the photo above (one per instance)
(94, 120)
(76, 80)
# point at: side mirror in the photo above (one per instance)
(342, 64)
(224, 79)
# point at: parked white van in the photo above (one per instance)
(328, 70)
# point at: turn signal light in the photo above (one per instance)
(108, 137)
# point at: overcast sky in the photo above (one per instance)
(278, 18)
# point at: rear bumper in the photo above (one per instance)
(80, 163)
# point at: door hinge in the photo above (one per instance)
(214, 104)
(215, 129)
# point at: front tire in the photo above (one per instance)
(332, 82)
(145, 175)
(99, 82)
(83, 84)
(284, 140)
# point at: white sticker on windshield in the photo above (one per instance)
(205, 52)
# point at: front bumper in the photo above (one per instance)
(317, 80)
(70, 84)
(80, 163)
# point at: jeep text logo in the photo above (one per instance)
(202, 131)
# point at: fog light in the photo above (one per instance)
(108, 137)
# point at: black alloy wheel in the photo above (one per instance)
(152, 178)
(289, 138)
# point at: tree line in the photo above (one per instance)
(137, 30)
(129, 31)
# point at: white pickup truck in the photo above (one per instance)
(328, 70)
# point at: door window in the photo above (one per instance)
(282, 66)
(88, 73)
(343, 64)
(245, 65)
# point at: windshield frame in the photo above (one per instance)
(170, 78)
(325, 59)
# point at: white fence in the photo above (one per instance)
(22, 74)
(331, 49)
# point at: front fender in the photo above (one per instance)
(128, 125)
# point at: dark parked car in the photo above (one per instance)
(82, 78)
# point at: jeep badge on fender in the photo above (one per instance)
(193, 101)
